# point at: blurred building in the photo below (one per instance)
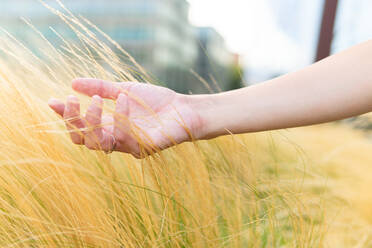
(214, 60)
(157, 33)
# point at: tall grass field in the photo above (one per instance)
(307, 187)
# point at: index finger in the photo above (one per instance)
(102, 88)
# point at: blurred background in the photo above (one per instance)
(228, 43)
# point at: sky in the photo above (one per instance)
(251, 28)
(232, 18)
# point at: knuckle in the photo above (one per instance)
(91, 145)
(135, 151)
(77, 139)
(136, 155)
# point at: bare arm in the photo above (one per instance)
(334, 88)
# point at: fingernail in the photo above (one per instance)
(53, 101)
(97, 99)
(72, 98)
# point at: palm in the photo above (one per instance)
(153, 116)
(173, 117)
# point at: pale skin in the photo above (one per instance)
(335, 88)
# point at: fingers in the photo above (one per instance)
(93, 117)
(121, 122)
(108, 123)
(74, 123)
(104, 89)
(96, 138)
(57, 106)
(122, 130)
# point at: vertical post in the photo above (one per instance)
(326, 30)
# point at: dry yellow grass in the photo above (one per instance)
(301, 188)
(341, 158)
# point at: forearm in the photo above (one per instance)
(335, 88)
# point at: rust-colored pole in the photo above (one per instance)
(326, 30)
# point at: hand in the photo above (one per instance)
(145, 116)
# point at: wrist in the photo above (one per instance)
(209, 115)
